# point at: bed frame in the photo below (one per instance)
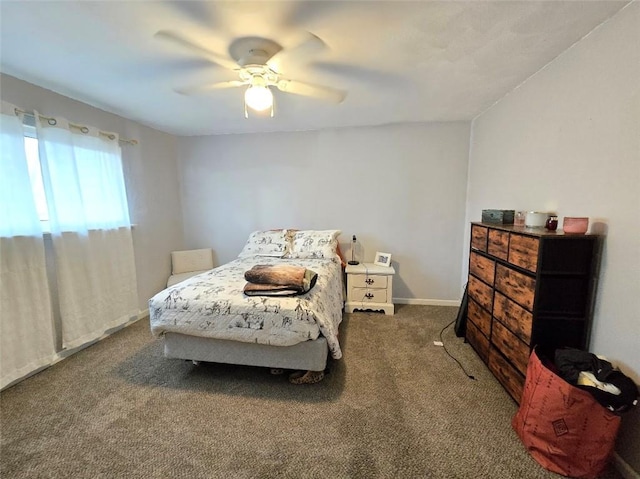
(308, 355)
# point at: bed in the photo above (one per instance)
(209, 318)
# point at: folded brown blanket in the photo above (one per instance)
(279, 280)
(252, 289)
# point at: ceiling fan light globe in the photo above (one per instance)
(258, 98)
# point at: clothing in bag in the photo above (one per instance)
(607, 384)
(563, 427)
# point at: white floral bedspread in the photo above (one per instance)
(213, 305)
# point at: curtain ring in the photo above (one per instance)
(84, 130)
(52, 121)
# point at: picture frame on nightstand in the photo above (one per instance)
(382, 259)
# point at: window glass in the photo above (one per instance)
(37, 186)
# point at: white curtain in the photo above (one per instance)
(26, 320)
(90, 228)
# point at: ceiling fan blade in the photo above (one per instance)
(306, 13)
(371, 76)
(307, 46)
(178, 39)
(315, 91)
(209, 87)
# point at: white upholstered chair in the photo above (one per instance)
(185, 264)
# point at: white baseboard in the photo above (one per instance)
(143, 313)
(428, 302)
(624, 468)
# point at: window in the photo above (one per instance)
(81, 176)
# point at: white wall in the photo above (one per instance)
(568, 140)
(151, 174)
(401, 189)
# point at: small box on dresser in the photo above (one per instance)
(528, 288)
(499, 217)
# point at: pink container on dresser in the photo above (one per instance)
(575, 225)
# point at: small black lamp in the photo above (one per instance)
(353, 252)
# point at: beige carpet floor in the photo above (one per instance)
(395, 406)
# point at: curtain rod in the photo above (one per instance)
(82, 128)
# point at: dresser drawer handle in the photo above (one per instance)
(369, 281)
(368, 295)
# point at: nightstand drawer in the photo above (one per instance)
(368, 295)
(368, 281)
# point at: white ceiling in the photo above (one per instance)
(399, 61)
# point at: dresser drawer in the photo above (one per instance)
(517, 286)
(368, 281)
(482, 267)
(523, 251)
(514, 317)
(480, 317)
(511, 379)
(498, 245)
(367, 295)
(479, 237)
(480, 292)
(510, 346)
(478, 340)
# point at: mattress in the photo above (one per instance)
(213, 305)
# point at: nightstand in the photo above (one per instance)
(369, 287)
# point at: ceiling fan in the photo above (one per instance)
(256, 61)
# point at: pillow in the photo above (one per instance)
(266, 243)
(314, 244)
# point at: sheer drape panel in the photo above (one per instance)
(26, 327)
(90, 228)
(96, 283)
(83, 178)
(19, 214)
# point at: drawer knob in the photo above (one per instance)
(369, 281)
(368, 295)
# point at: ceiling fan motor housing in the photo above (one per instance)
(258, 75)
(253, 50)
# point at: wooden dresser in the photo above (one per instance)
(528, 287)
